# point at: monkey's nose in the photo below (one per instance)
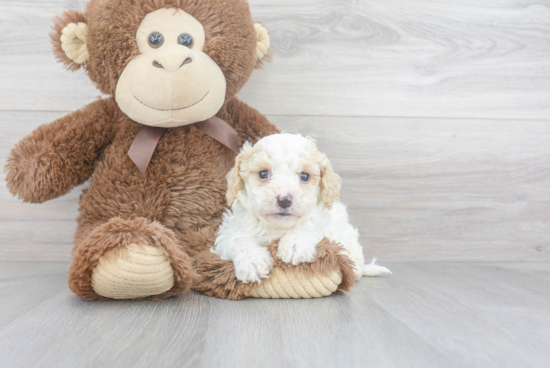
(156, 64)
(186, 61)
(284, 202)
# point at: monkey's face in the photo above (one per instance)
(167, 62)
(173, 82)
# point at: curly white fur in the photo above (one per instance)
(258, 216)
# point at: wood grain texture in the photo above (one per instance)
(418, 189)
(472, 186)
(441, 189)
(459, 58)
(426, 315)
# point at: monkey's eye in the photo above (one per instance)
(263, 175)
(304, 177)
(185, 40)
(156, 40)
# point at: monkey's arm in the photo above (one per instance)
(58, 156)
(249, 123)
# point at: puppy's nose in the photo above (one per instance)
(284, 202)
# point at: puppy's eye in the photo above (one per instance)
(263, 175)
(304, 177)
(185, 40)
(156, 40)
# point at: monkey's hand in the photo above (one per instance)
(58, 156)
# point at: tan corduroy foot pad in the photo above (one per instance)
(136, 272)
(285, 284)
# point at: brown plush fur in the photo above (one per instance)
(177, 205)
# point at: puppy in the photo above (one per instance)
(284, 188)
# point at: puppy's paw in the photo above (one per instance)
(252, 267)
(296, 250)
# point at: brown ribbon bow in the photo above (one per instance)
(148, 137)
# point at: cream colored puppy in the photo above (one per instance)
(284, 188)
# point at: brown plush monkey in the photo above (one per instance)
(145, 228)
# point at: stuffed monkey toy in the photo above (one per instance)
(157, 150)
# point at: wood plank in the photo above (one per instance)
(30, 78)
(441, 189)
(442, 305)
(418, 189)
(427, 59)
(436, 59)
(426, 315)
(37, 240)
(25, 269)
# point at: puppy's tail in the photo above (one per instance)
(372, 269)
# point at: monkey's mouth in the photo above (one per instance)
(182, 108)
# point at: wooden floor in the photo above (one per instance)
(426, 315)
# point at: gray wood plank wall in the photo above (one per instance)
(436, 114)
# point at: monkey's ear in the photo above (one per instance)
(69, 35)
(262, 44)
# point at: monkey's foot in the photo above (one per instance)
(130, 259)
(295, 283)
(330, 272)
(134, 272)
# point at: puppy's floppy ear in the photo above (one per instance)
(330, 184)
(234, 182)
(69, 36)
